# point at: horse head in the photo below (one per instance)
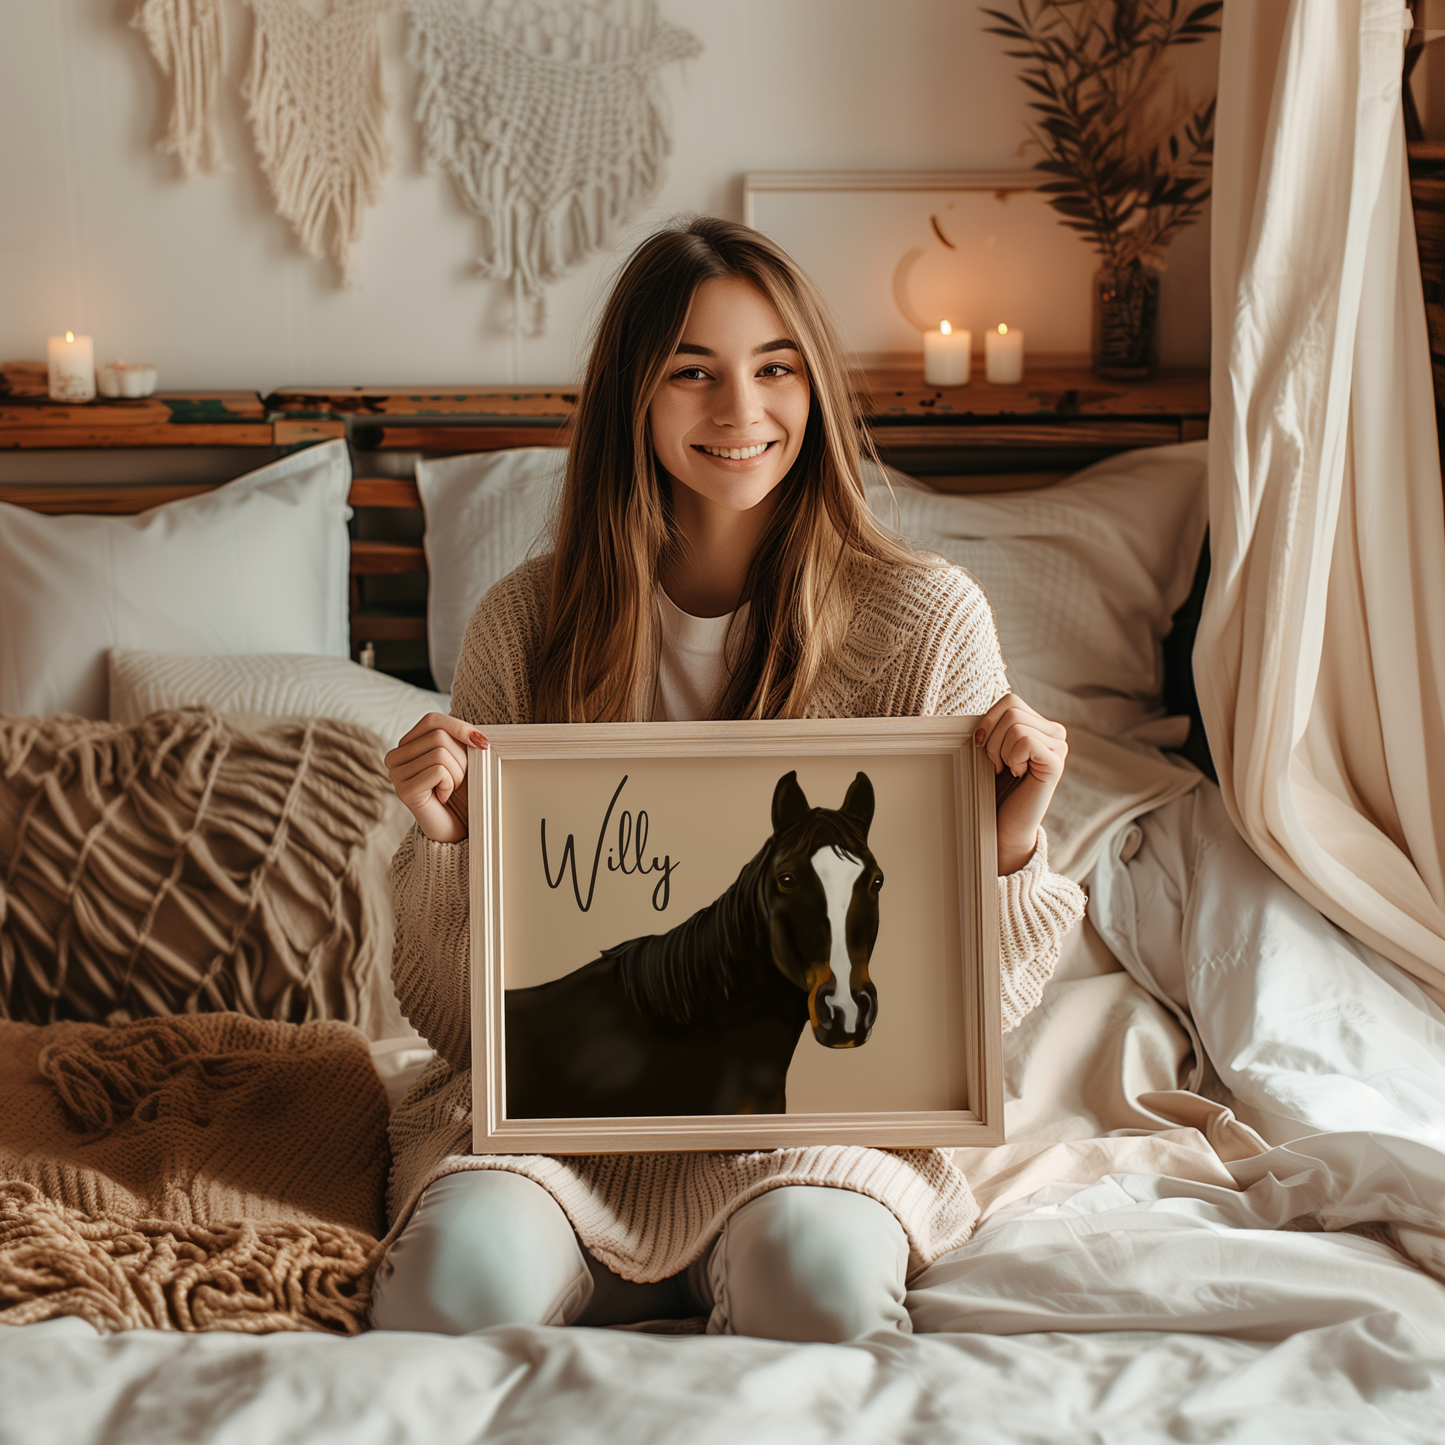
(820, 893)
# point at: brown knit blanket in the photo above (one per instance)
(209, 1172)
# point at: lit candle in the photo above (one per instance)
(946, 356)
(1003, 355)
(72, 367)
(126, 378)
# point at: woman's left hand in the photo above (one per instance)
(1029, 748)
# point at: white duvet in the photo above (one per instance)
(1112, 1316)
(1209, 1302)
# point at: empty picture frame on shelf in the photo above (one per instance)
(734, 935)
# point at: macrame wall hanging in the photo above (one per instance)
(548, 116)
(318, 110)
(186, 39)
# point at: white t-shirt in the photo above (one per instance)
(692, 671)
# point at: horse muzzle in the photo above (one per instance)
(842, 1015)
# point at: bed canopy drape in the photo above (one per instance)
(1320, 661)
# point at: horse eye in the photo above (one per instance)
(876, 886)
(787, 881)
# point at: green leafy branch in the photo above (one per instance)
(1130, 162)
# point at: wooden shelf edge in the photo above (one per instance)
(377, 435)
(384, 492)
(385, 559)
(367, 627)
(121, 499)
(156, 434)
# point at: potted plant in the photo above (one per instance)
(1128, 155)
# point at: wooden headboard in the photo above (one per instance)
(127, 456)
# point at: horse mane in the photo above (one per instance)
(687, 971)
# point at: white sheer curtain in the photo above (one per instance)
(1320, 661)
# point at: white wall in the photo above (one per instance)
(97, 234)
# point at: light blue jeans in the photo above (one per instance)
(487, 1247)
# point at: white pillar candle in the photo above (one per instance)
(1003, 355)
(72, 367)
(125, 378)
(946, 356)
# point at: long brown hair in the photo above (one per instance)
(614, 526)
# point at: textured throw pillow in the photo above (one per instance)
(1084, 576)
(274, 685)
(257, 565)
(485, 515)
(282, 685)
(193, 863)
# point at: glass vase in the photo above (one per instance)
(1125, 339)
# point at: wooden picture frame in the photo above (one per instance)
(706, 786)
(898, 251)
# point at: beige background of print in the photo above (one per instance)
(709, 817)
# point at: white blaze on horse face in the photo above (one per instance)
(838, 871)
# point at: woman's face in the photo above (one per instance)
(728, 420)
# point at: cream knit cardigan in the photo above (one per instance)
(921, 642)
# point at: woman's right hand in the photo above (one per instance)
(428, 769)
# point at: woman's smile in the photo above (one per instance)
(735, 451)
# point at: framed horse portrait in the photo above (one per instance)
(734, 935)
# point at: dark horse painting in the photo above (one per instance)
(704, 1019)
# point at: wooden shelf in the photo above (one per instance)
(1056, 408)
(29, 420)
(100, 430)
(481, 436)
(412, 401)
(1057, 417)
(1047, 391)
(1049, 436)
(1045, 394)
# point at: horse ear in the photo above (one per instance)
(858, 802)
(790, 805)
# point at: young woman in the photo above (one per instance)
(714, 557)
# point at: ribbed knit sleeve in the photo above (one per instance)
(1036, 908)
(969, 676)
(431, 951)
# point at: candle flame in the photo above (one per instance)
(70, 336)
(946, 328)
(1002, 329)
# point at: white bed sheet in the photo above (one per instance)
(1336, 1365)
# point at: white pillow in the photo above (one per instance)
(485, 515)
(1084, 577)
(258, 565)
(276, 685)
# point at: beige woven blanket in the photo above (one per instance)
(193, 1173)
(191, 863)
